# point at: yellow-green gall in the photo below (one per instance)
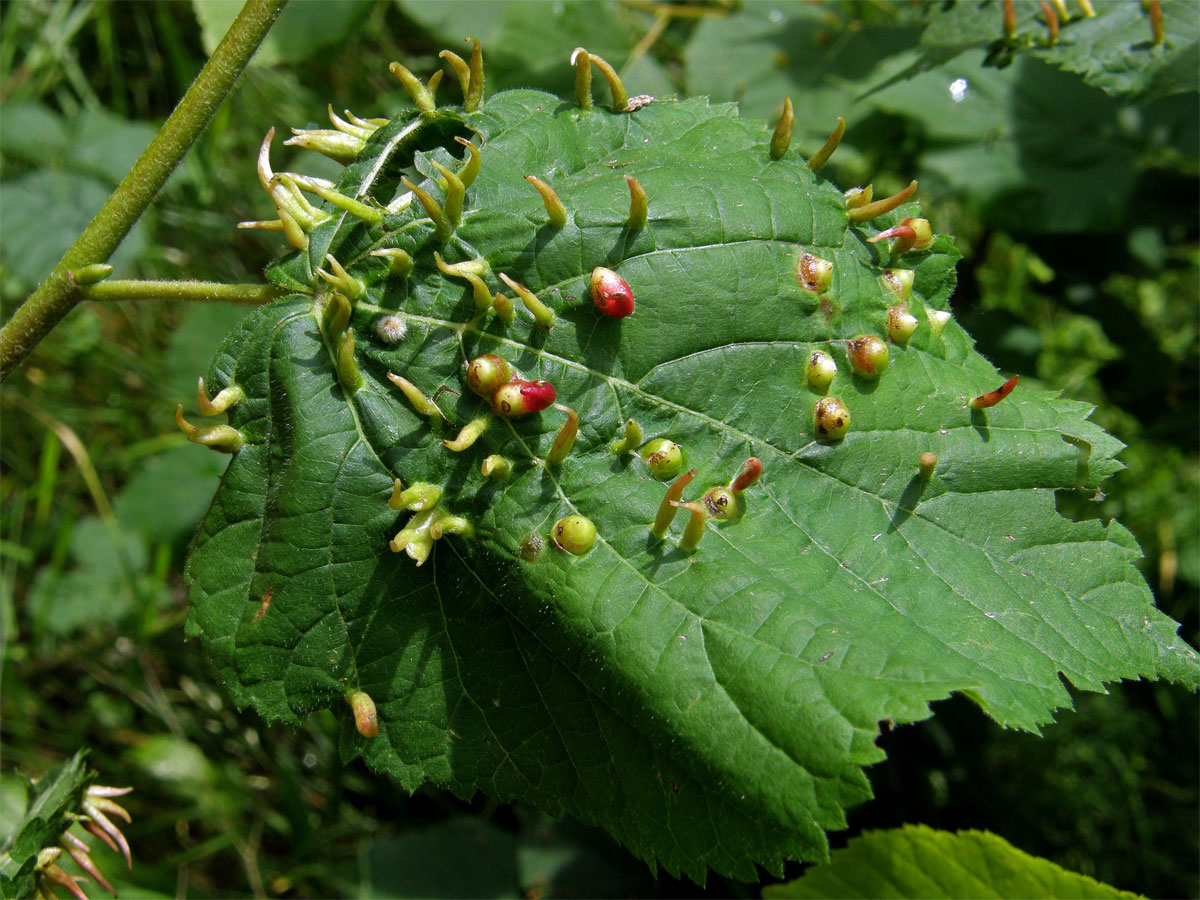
(901, 324)
(868, 354)
(663, 457)
(575, 534)
(832, 419)
(821, 370)
(486, 373)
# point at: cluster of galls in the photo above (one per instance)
(93, 816)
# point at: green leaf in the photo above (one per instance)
(919, 862)
(710, 709)
(55, 794)
(303, 29)
(1112, 50)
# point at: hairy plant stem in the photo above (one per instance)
(191, 291)
(59, 294)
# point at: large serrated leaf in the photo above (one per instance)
(712, 709)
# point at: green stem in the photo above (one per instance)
(191, 291)
(58, 294)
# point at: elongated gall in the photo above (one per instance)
(420, 402)
(751, 470)
(667, 509)
(821, 370)
(781, 138)
(335, 317)
(543, 316)
(92, 274)
(227, 398)
(222, 438)
(868, 354)
(486, 373)
(519, 397)
(619, 94)
(991, 398)
(639, 206)
(480, 294)
(554, 206)
(461, 71)
(696, 524)
(1009, 19)
(366, 720)
(574, 534)
(341, 280)
(417, 497)
(1051, 23)
(504, 308)
(472, 164)
(835, 138)
(901, 324)
(442, 228)
(455, 193)
(611, 293)
(468, 435)
(858, 197)
(583, 78)
(420, 94)
(475, 80)
(879, 207)
(400, 264)
(414, 538)
(347, 366)
(565, 439)
(664, 458)
(451, 525)
(832, 419)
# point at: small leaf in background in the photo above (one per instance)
(44, 211)
(106, 145)
(916, 862)
(303, 29)
(32, 132)
(430, 863)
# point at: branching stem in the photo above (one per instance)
(58, 294)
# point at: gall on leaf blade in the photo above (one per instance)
(648, 690)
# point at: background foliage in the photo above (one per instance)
(1075, 210)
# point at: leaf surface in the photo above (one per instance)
(920, 862)
(710, 709)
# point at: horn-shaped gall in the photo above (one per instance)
(228, 397)
(400, 264)
(630, 439)
(639, 206)
(991, 398)
(420, 402)
(696, 524)
(495, 467)
(417, 497)
(668, 508)
(835, 138)
(543, 316)
(565, 439)
(468, 435)
(781, 138)
(927, 463)
(554, 206)
(223, 438)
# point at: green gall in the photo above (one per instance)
(366, 720)
(420, 402)
(639, 206)
(222, 438)
(487, 373)
(821, 370)
(347, 366)
(937, 319)
(629, 440)
(418, 496)
(575, 534)
(414, 538)
(835, 138)
(335, 317)
(899, 282)
(565, 439)
(901, 324)
(832, 419)
(442, 228)
(420, 94)
(469, 435)
(879, 207)
(669, 505)
(341, 280)
(781, 139)
(451, 525)
(664, 458)
(543, 316)
(722, 503)
(868, 354)
(92, 274)
(813, 273)
(495, 466)
(554, 206)
(856, 197)
(228, 397)
(696, 524)
(400, 264)
(583, 78)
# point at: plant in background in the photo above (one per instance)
(711, 703)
